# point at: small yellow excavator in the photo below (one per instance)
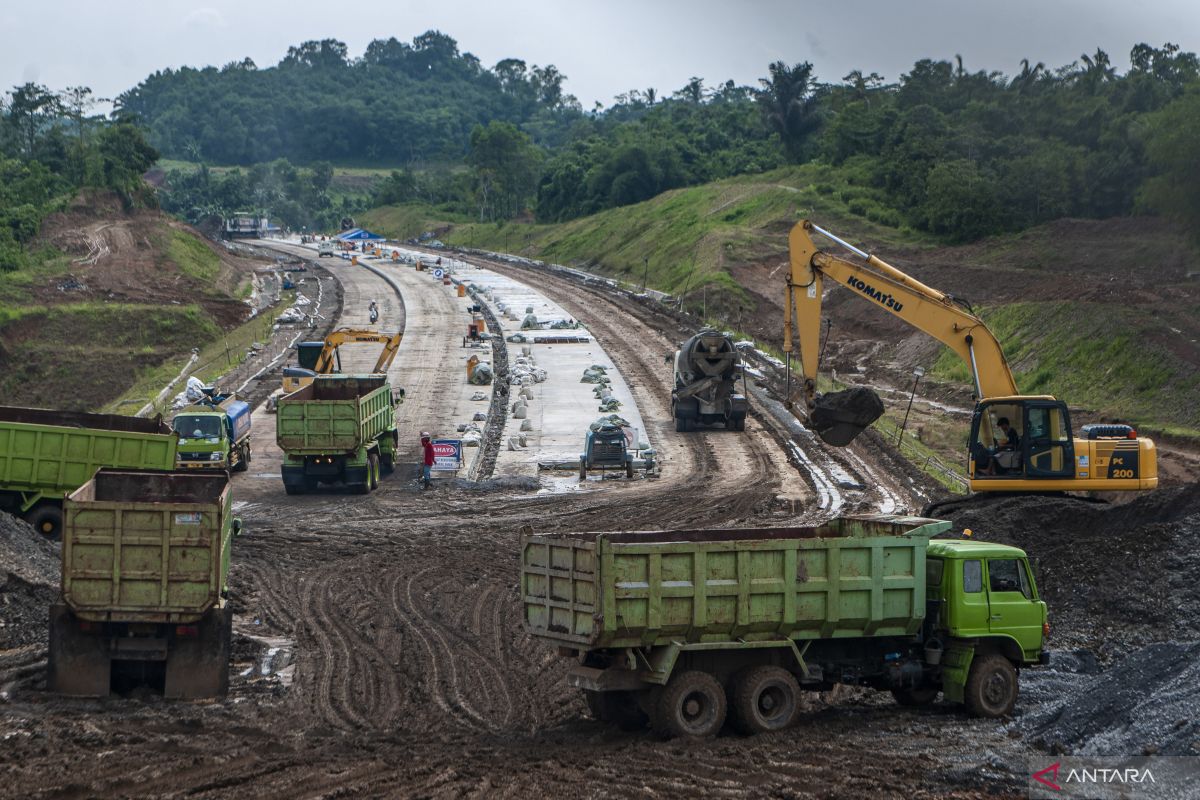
(1018, 443)
(321, 358)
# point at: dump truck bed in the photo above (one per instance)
(334, 414)
(852, 577)
(58, 451)
(143, 546)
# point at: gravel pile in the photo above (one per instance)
(29, 577)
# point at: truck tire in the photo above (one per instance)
(737, 424)
(373, 470)
(46, 519)
(199, 666)
(582, 469)
(78, 662)
(765, 699)
(691, 706)
(629, 469)
(619, 708)
(991, 689)
(921, 696)
(680, 425)
(243, 454)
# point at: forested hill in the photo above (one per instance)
(954, 152)
(398, 103)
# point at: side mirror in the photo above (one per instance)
(237, 526)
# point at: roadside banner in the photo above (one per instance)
(447, 455)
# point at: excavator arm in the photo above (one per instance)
(391, 343)
(876, 281)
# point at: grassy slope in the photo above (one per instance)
(688, 237)
(695, 237)
(61, 351)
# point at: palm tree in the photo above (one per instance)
(789, 105)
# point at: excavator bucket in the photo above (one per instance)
(838, 417)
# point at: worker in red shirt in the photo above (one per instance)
(427, 466)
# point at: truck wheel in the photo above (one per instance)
(991, 689)
(47, 520)
(387, 463)
(737, 424)
(764, 699)
(78, 662)
(629, 469)
(243, 454)
(373, 470)
(619, 708)
(583, 469)
(680, 425)
(922, 696)
(692, 705)
(199, 666)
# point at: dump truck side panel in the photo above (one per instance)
(855, 577)
(54, 452)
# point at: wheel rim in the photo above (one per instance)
(996, 689)
(772, 702)
(695, 709)
(47, 527)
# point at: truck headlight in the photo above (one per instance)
(216, 456)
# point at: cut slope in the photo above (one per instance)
(115, 292)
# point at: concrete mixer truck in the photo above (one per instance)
(707, 367)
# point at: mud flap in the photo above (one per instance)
(956, 665)
(199, 666)
(79, 662)
(839, 417)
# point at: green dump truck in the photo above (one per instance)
(145, 565)
(337, 429)
(46, 454)
(681, 628)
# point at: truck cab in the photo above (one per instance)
(213, 436)
(984, 613)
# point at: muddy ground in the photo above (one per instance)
(379, 650)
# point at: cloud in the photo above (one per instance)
(205, 18)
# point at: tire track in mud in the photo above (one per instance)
(437, 654)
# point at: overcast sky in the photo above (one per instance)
(604, 47)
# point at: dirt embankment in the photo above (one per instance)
(132, 289)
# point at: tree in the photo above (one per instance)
(1173, 150)
(325, 54)
(789, 106)
(506, 165)
(692, 91)
(31, 106)
(125, 156)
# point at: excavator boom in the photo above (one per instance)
(926, 309)
(391, 343)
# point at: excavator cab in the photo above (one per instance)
(1018, 438)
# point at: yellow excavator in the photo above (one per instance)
(321, 358)
(1018, 443)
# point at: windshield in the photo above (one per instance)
(195, 426)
